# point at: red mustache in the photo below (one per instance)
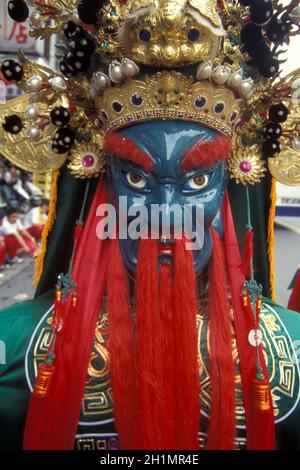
(154, 353)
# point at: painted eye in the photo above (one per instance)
(135, 180)
(193, 34)
(197, 182)
(145, 35)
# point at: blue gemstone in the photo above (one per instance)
(200, 101)
(193, 34)
(145, 35)
(117, 106)
(136, 100)
(219, 108)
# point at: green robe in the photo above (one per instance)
(25, 332)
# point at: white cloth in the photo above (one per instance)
(31, 218)
(8, 229)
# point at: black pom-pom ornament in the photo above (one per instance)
(70, 29)
(66, 69)
(60, 116)
(12, 124)
(277, 30)
(269, 68)
(58, 148)
(63, 139)
(270, 148)
(82, 46)
(251, 38)
(78, 64)
(261, 11)
(272, 131)
(278, 112)
(18, 10)
(88, 11)
(73, 64)
(12, 70)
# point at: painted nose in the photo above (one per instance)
(167, 215)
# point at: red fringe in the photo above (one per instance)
(120, 330)
(222, 419)
(53, 421)
(206, 153)
(294, 300)
(187, 366)
(168, 353)
(248, 253)
(149, 373)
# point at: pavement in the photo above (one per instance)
(16, 286)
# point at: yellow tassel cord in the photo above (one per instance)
(271, 239)
(39, 263)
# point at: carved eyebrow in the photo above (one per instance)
(125, 149)
(205, 153)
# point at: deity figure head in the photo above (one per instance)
(177, 188)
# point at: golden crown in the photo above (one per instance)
(169, 95)
(205, 61)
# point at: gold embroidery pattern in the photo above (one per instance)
(282, 367)
(94, 443)
(97, 401)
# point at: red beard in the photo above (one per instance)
(154, 356)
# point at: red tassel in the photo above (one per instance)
(262, 414)
(78, 232)
(43, 380)
(259, 425)
(294, 301)
(248, 253)
(260, 395)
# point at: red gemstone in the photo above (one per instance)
(88, 161)
(122, 2)
(245, 166)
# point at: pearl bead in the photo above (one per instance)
(116, 73)
(296, 144)
(34, 83)
(129, 68)
(100, 81)
(295, 14)
(36, 19)
(31, 113)
(245, 87)
(296, 84)
(34, 133)
(236, 79)
(204, 70)
(249, 95)
(75, 18)
(220, 75)
(58, 84)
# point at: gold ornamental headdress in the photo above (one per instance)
(128, 61)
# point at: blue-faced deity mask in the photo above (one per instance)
(166, 143)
